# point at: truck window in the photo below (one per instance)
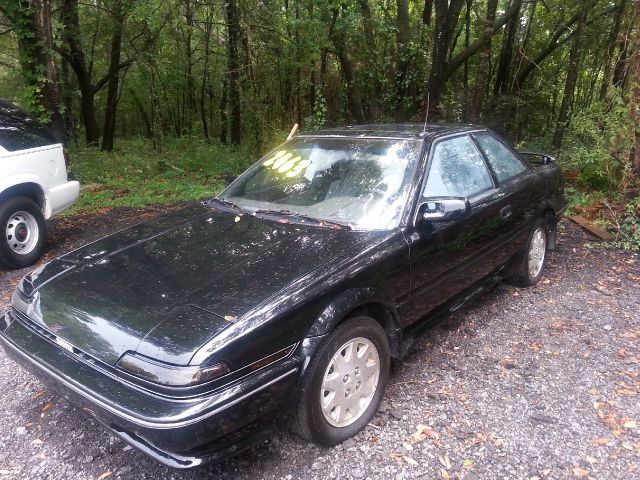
(19, 130)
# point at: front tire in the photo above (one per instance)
(23, 232)
(530, 266)
(345, 382)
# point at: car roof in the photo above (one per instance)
(395, 130)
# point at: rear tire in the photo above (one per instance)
(345, 382)
(23, 232)
(530, 265)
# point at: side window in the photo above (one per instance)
(503, 162)
(19, 130)
(457, 170)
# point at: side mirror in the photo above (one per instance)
(443, 210)
(536, 158)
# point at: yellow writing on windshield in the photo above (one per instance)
(274, 158)
(283, 162)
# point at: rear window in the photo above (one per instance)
(19, 130)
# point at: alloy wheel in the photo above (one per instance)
(350, 382)
(537, 250)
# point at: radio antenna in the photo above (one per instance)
(426, 117)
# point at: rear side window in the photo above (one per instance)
(502, 160)
(457, 170)
(19, 130)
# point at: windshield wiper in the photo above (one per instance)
(301, 216)
(227, 204)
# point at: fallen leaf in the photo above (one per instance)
(407, 445)
(629, 424)
(444, 474)
(444, 461)
(422, 432)
(230, 318)
(105, 475)
(467, 463)
(580, 472)
(37, 441)
(591, 460)
(46, 408)
(409, 460)
(36, 395)
(506, 363)
(396, 456)
(601, 441)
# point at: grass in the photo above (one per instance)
(134, 175)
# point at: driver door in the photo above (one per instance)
(449, 256)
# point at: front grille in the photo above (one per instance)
(44, 333)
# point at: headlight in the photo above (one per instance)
(170, 375)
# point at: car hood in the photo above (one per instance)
(164, 287)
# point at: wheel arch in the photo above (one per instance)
(359, 302)
(551, 223)
(31, 190)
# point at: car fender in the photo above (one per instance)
(352, 300)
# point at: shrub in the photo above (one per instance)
(598, 144)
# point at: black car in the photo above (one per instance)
(284, 298)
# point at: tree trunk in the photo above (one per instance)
(506, 55)
(31, 21)
(148, 129)
(354, 97)
(233, 30)
(208, 27)
(403, 36)
(109, 130)
(465, 74)
(570, 84)
(634, 80)
(223, 113)
(76, 58)
(446, 21)
(609, 60)
(482, 75)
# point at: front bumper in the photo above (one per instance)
(179, 432)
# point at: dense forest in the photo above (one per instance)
(561, 74)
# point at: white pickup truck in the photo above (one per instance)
(33, 185)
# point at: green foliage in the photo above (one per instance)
(629, 233)
(578, 198)
(598, 144)
(318, 118)
(133, 175)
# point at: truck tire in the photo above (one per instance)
(23, 232)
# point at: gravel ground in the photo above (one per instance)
(539, 383)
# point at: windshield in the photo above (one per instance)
(361, 182)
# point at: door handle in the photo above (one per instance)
(506, 212)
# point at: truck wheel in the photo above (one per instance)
(24, 232)
(345, 383)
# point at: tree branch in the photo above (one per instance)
(457, 61)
